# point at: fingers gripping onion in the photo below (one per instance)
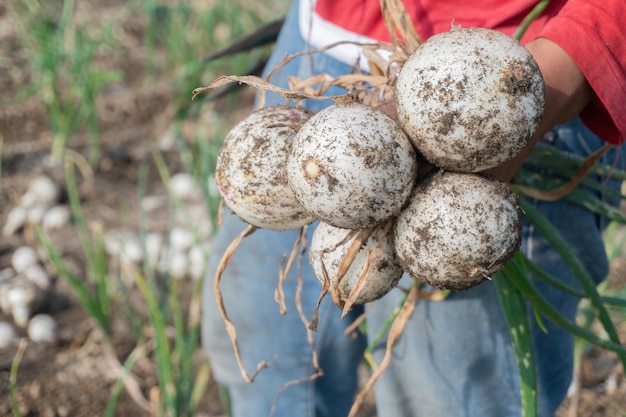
(251, 169)
(457, 230)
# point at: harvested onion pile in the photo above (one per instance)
(467, 100)
(393, 192)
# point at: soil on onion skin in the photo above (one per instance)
(72, 376)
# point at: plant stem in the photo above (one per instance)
(13, 376)
(534, 13)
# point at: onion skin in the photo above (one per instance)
(458, 229)
(352, 166)
(329, 249)
(470, 99)
(251, 169)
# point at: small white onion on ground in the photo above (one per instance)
(175, 263)
(132, 250)
(352, 166)
(23, 298)
(38, 275)
(114, 241)
(23, 257)
(43, 190)
(42, 328)
(251, 169)
(457, 230)
(8, 335)
(15, 220)
(185, 187)
(36, 213)
(470, 99)
(154, 246)
(198, 258)
(328, 249)
(181, 239)
(196, 216)
(56, 217)
(152, 203)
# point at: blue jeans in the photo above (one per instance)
(454, 358)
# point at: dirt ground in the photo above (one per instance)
(72, 376)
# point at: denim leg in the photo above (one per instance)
(454, 358)
(248, 286)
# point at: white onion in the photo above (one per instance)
(56, 217)
(457, 230)
(175, 263)
(8, 335)
(329, 248)
(153, 202)
(470, 99)
(44, 190)
(23, 257)
(132, 251)
(251, 169)
(23, 298)
(38, 275)
(352, 166)
(42, 328)
(15, 220)
(184, 187)
(36, 213)
(154, 245)
(181, 239)
(198, 255)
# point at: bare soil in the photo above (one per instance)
(73, 376)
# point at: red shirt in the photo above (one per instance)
(590, 31)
